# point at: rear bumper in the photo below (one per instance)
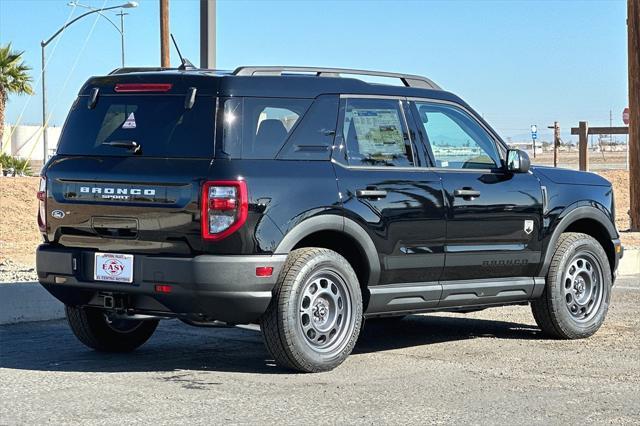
(206, 287)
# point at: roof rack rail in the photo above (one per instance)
(126, 70)
(407, 79)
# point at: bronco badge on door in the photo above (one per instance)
(528, 226)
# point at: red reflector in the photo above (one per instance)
(163, 288)
(222, 204)
(41, 195)
(264, 271)
(142, 87)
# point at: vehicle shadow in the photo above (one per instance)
(415, 330)
(50, 346)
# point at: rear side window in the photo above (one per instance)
(256, 128)
(375, 133)
(159, 124)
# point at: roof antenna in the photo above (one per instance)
(185, 64)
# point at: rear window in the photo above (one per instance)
(256, 128)
(159, 124)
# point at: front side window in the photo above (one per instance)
(256, 128)
(457, 141)
(375, 133)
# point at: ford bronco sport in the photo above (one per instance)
(307, 200)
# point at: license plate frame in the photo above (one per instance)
(113, 267)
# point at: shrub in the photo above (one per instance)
(18, 165)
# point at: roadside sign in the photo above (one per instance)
(534, 132)
(625, 116)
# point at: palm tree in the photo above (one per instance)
(14, 78)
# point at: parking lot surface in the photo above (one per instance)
(486, 367)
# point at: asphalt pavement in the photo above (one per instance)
(489, 367)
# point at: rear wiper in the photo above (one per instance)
(132, 145)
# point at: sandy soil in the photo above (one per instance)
(19, 235)
(620, 181)
(569, 159)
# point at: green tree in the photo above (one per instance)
(14, 78)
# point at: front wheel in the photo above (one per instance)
(576, 297)
(314, 318)
(97, 330)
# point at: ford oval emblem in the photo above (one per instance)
(57, 214)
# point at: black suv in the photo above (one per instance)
(307, 201)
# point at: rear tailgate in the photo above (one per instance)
(125, 204)
(129, 168)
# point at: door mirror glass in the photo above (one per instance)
(518, 161)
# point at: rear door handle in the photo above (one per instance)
(371, 193)
(466, 193)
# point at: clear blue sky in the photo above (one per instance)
(517, 62)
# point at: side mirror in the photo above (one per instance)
(518, 161)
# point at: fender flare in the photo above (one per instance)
(331, 222)
(568, 217)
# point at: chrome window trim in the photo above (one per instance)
(405, 169)
(368, 96)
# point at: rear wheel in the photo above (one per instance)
(97, 330)
(576, 297)
(315, 315)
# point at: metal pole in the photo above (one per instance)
(122, 35)
(44, 109)
(534, 147)
(208, 34)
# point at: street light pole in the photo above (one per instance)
(121, 15)
(43, 45)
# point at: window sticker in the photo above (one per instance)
(379, 131)
(130, 122)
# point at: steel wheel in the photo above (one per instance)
(583, 287)
(325, 311)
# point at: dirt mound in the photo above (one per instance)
(19, 234)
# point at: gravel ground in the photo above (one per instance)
(490, 367)
(14, 272)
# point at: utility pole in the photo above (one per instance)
(556, 141)
(633, 32)
(165, 60)
(208, 34)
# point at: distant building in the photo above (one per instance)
(26, 141)
(526, 145)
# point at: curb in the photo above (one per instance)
(630, 262)
(23, 302)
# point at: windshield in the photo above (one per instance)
(146, 125)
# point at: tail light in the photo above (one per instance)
(224, 208)
(42, 204)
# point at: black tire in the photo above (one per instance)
(91, 327)
(563, 311)
(298, 316)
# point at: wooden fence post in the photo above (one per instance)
(633, 28)
(583, 145)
